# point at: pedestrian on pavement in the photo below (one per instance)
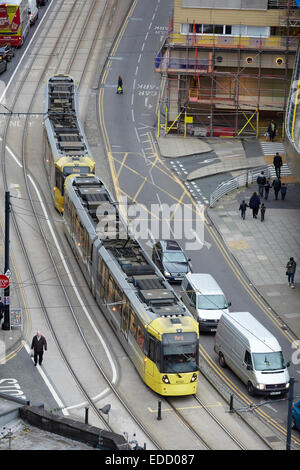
(261, 181)
(290, 272)
(243, 208)
(262, 212)
(1, 309)
(120, 85)
(254, 204)
(283, 190)
(272, 130)
(267, 188)
(277, 162)
(276, 185)
(38, 345)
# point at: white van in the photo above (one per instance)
(33, 11)
(253, 354)
(204, 298)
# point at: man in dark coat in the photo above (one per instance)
(261, 181)
(277, 162)
(38, 344)
(254, 204)
(290, 271)
(276, 185)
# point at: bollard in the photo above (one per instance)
(159, 410)
(86, 418)
(231, 410)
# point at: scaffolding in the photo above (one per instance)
(218, 85)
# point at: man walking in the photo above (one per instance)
(276, 185)
(290, 271)
(38, 344)
(277, 162)
(261, 181)
(272, 130)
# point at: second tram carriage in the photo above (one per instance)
(66, 151)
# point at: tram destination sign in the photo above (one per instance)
(4, 281)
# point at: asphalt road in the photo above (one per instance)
(141, 176)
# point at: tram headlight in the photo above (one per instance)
(165, 379)
(194, 377)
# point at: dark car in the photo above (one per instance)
(296, 415)
(171, 260)
(3, 65)
(6, 53)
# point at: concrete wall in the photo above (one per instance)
(72, 429)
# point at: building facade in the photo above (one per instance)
(227, 65)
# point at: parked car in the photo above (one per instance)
(296, 415)
(171, 260)
(6, 53)
(3, 65)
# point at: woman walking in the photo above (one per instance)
(254, 204)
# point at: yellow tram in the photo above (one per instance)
(66, 151)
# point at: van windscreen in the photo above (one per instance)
(211, 302)
(268, 361)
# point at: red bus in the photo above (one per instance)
(14, 22)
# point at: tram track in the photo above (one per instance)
(201, 434)
(29, 182)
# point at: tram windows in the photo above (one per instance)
(125, 315)
(103, 280)
(140, 337)
(154, 351)
(133, 326)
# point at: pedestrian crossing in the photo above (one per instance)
(271, 148)
(284, 170)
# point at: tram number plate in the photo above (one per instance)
(179, 381)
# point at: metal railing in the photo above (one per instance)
(245, 179)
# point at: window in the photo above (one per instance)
(133, 327)
(248, 360)
(218, 29)
(140, 336)
(208, 29)
(228, 29)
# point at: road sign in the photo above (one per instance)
(4, 281)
